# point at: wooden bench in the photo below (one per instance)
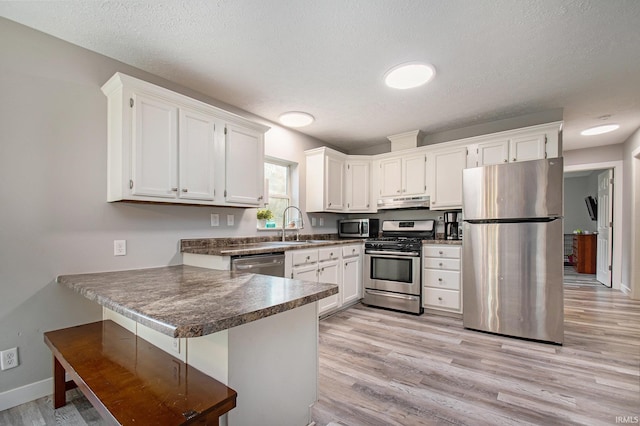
(131, 382)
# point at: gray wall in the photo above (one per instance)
(576, 214)
(55, 218)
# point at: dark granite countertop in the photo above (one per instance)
(186, 301)
(257, 245)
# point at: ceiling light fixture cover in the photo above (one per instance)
(296, 119)
(409, 75)
(598, 130)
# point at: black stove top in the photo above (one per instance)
(402, 235)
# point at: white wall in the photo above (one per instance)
(55, 218)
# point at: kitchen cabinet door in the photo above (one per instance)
(352, 279)
(524, 148)
(414, 174)
(358, 188)
(306, 273)
(493, 152)
(154, 147)
(197, 159)
(334, 186)
(329, 272)
(244, 165)
(446, 178)
(391, 177)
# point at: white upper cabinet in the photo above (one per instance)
(154, 147)
(358, 186)
(244, 152)
(446, 178)
(404, 175)
(524, 148)
(518, 145)
(325, 180)
(197, 156)
(493, 152)
(166, 147)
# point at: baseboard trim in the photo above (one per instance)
(27, 393)
(626, 290)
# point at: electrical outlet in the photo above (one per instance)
(176, 344)
(322, 221)
(215, 219)
(313, 221)
(230, 219)
(120, 247)
(9, 359)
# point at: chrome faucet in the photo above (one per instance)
(284, 221)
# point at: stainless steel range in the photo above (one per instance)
(392, 265)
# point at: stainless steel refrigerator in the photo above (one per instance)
(513, 249)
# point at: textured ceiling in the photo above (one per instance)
(495, 59)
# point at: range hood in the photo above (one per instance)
(417, 202)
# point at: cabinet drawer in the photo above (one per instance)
(304, 257)
(441, 279)
(441, 251)
(433, 263)
(437, 298)
(329, 253)
(350, 251)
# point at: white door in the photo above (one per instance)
(196, 155)
(334, 183)
(358, 186)
(525, 148)
(493, 152)
(329, 272)
(605, 218)
(351, 280)
(244, 151)
(390, 177)
(414, 175)
(155, 147)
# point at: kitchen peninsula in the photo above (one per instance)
(257, 334)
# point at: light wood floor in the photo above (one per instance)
(383, 368)
(380, 367)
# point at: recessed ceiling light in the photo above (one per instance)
(408, 76)
(296, 119)
(598, 130)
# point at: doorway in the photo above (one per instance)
(588, 220)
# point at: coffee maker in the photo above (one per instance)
(451, 225)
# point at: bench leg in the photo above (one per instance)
(59, 385)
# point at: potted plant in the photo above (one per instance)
(263, 216)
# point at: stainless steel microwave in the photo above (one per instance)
(358, 228)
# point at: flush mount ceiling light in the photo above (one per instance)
(296, 119)
(598, 130)
(410, 75)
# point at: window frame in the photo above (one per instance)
(268, 196)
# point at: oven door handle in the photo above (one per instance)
(393, 295)
(393, 253)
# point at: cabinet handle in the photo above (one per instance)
(433, 202)
(308, 257)
(331, 254)
(398, 191)
(441, 252)
(185, 190)
(440, 264)
(514, 159)
(440, 279)
(367, 205)
(260, 198)
(440, 299)
(329, 204)
(506, 160)
(174, 189)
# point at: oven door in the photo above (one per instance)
(398, 272)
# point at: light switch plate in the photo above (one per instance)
(120, 247)
(215, 219)
(230, 219)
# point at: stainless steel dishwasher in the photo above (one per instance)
(265, 264)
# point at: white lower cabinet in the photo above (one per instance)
(340, 265)
(441, 278)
